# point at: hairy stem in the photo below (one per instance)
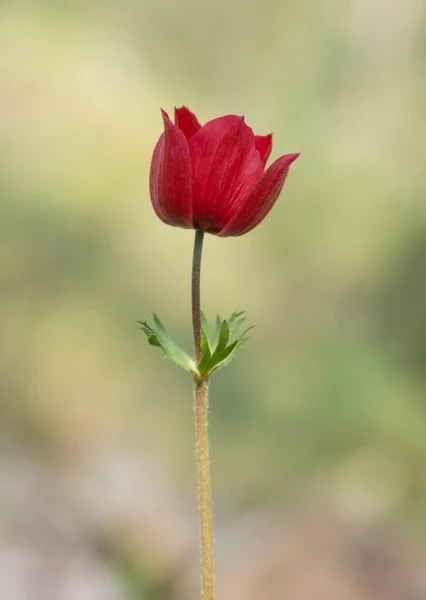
(204, 490)
(201, 413)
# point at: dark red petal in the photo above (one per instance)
(261, 199)
(225, 167)
(170, 177)
(263, 146)
(186, 121)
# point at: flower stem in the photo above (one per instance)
(204, 489)
(201, 413)
(196, 308)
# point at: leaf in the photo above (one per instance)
(203, 365)
(219, 351)
(235, 316)
(158, 336)
(234, 330)
(153, 340)
(217, 330)
(219, 360)
(205, 328)
(244, 334)
(223, 337)
(159, 324)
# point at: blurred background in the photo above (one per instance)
(318, 427)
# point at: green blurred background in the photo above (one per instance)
(318, 427)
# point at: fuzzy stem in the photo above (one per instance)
(201, 412)
(204, 489)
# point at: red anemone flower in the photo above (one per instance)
(213, 177)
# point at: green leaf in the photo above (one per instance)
(220, 359)
(159, 324)
(235, 316)
(220, 350)
(217, 330)
(203, 365)
(158, 336)
(205, 329)
(223, 337)
(235, 328)
(217, 349)
(243, 336)
(152, 339)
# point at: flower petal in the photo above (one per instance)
(170, 177)
(186, 121)
(263, 146)
(225, 167)
(261, 199)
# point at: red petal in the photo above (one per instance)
(225, 167)
(264, 146)
(170, 177)
(186, 121)
(262, 198)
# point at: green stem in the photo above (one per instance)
(201, 431)
(196, 309)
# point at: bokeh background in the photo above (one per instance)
(318, 427)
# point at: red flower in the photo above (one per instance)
(213, 177)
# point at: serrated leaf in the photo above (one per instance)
(235, 316)
(203, 365)
(159, 324)
(219, 350)
(211, 355)
(223, 337)
(158, 336)
(144, 326)
(237, 324)
(205, 346)
(218, 324)
(219, 360)
(243, 335)
(205, 328)
(234, 330)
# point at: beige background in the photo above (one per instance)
(318, 427)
